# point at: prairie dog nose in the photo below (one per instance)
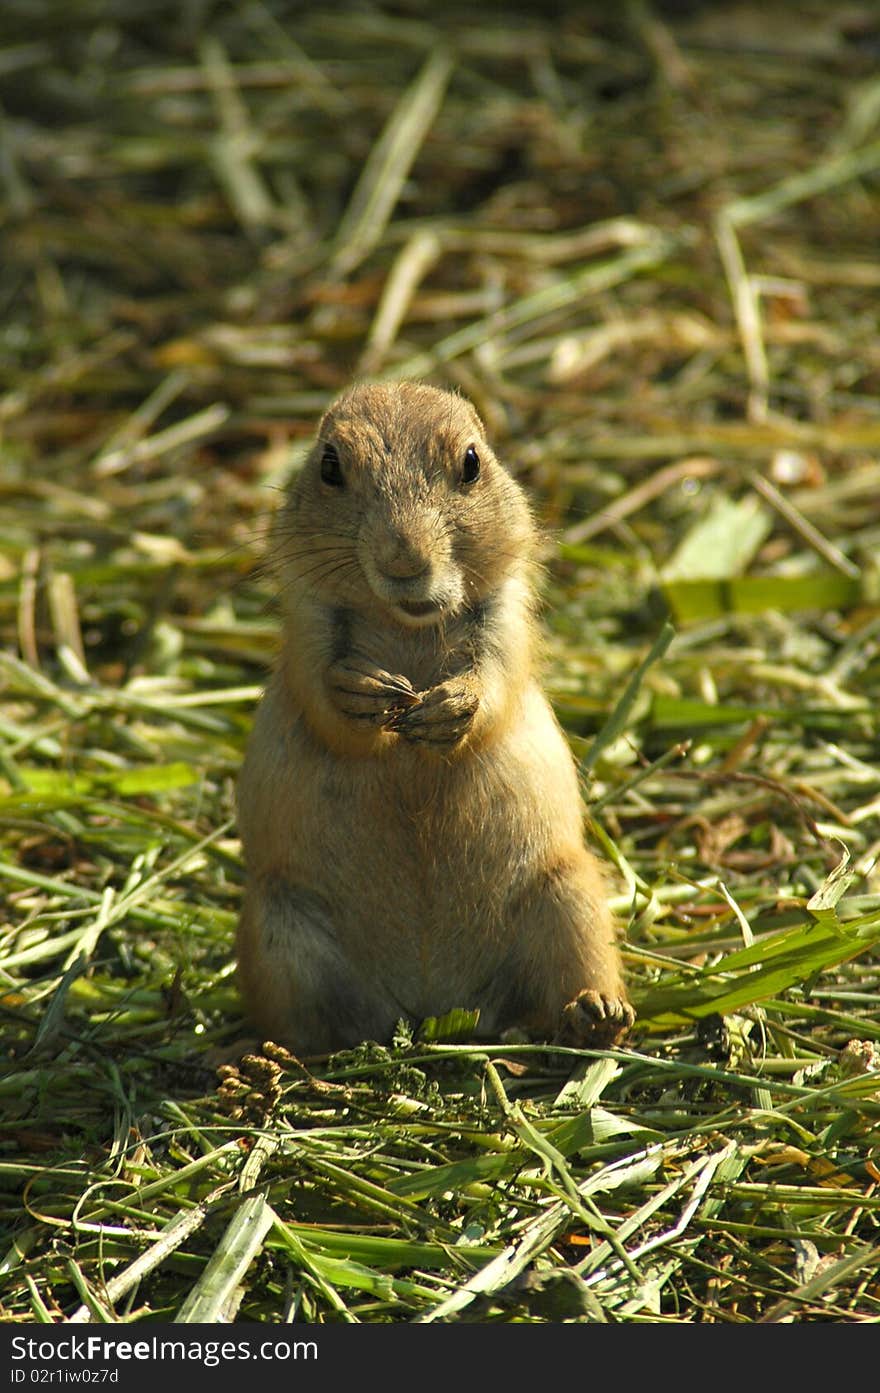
(402, 556)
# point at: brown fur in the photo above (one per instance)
(409, 807)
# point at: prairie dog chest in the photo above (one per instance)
(425, 656)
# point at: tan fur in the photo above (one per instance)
(409, 806)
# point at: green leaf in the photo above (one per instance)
(722, 543)
(456, 1025)
(148, 778)
(766, 969)
(674, 713)
(691, 601)
(239, 1245)
(617, 721)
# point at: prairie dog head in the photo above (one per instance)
(402, 506)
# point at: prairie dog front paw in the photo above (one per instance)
(364, 692)
(443, 716)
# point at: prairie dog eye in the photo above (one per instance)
(470, 469)
(331, 469)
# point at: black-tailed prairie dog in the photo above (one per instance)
(409, 807)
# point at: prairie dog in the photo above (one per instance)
(409, 807)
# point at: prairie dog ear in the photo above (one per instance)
(478, 420)
(324, 427)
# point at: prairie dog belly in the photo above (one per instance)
(416, 877)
